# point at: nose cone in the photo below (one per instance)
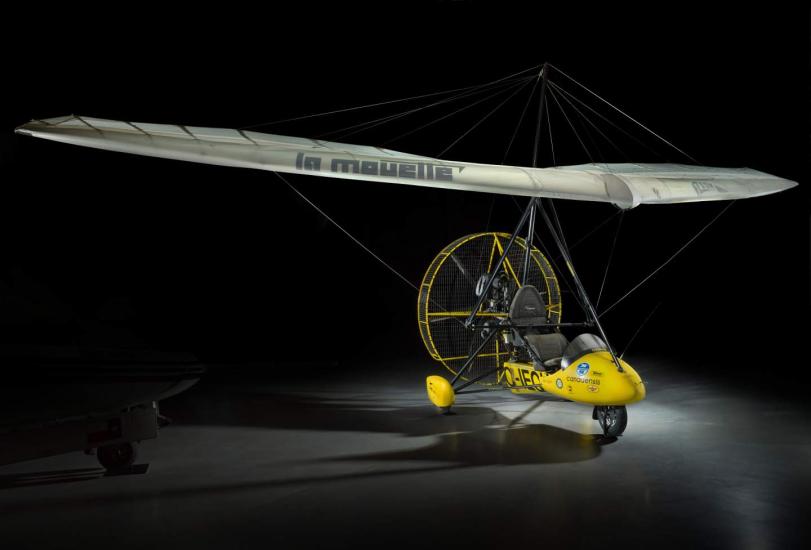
(636, 387)
(641, 392)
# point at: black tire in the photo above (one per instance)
(119, 456)
(613, 419)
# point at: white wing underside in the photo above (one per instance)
(625, 185)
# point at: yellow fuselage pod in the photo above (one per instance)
(592, 379)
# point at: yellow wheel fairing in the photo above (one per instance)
(447, 295)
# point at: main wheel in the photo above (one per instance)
(613, 419)
(119, 456)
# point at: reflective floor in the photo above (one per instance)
(362, 460)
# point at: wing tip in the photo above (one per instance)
(35, 124)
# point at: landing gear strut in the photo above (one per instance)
(612, 419)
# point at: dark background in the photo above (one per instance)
(230, 265)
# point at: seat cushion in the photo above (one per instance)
(548, 347)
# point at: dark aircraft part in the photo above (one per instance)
(104, 432)
(57, 383)
(613, 419)
(119, 456)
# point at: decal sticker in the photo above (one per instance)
(412, 170)
(582, 369)
(589, 381)
(559, 383)
(593, 389)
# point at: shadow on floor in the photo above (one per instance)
(473, 435)
(522, 444)
(28, 479)
(531, 444)
(338, 413)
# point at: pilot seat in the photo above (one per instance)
(529, 320)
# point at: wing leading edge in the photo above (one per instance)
(625, 185)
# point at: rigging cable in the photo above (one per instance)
(670, 259)
(482, 119)
(609, 121)
(625, 114)
(347, 233)
(582, 144)
(400, 100)
(358, 241)
(554, 163)
(554, 212)
(369, 124)
(593, 230)
(466, 107)
(584, 124)
(520, 121)
(593, 125)
(549, 125)
(638, 330)
(610, 257)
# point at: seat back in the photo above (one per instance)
(528, 307)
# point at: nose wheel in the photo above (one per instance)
(119, 456)
(613, 419)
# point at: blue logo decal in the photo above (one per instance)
(582, 369)
(559, 383)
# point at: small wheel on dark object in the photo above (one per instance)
(119, 456)
(613, 419)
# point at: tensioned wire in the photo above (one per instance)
(358, 241)
(587, 119)
(576, 133)
(670, 258)
(432, 122)
(610, 257)
(403, 278)
(369, 124)
(388, 102)
(347, 233)
(686, 244)
(584, 126)
(623, 113)
(606, 119)
(520, 119)
(482, 119)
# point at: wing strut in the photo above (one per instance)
(557, 234)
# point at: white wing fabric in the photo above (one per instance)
(625, 185)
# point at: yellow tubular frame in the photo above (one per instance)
(424, 299)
